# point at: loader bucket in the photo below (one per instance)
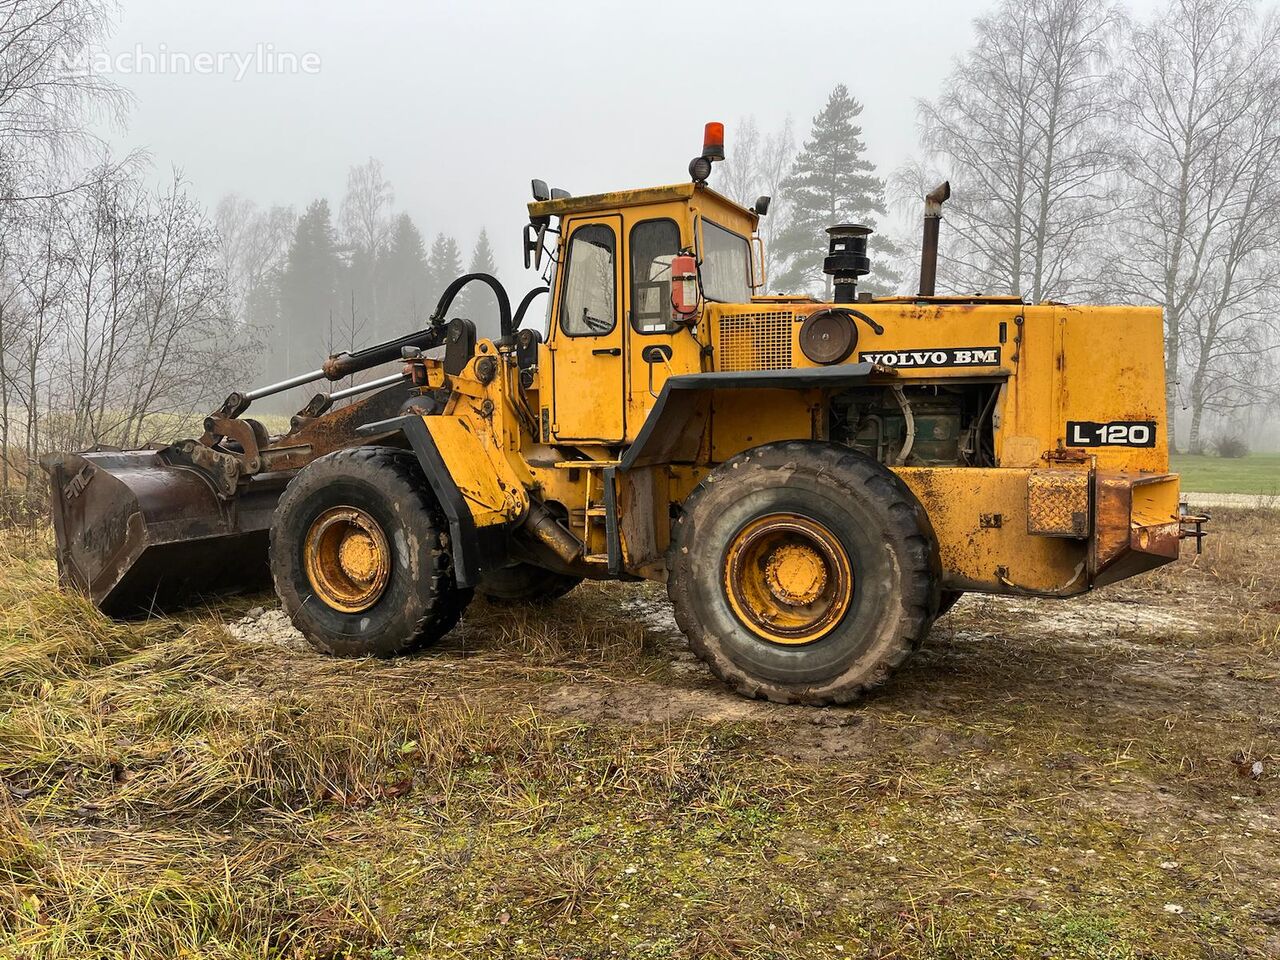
(139, 534)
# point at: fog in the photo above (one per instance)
(464, 103)
(280, 181)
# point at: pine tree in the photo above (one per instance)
(832, 182)
(309, 293)
(444, 265)
(477, 301)
(404, 281)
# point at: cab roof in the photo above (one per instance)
(634, 198)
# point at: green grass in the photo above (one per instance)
(1258, 473)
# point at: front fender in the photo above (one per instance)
(480, 502)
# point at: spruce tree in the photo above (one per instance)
(309, 294)
(403, 280)
(477, 301)
(832, 182)
(444, 265)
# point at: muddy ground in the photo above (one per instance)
(1098, 778)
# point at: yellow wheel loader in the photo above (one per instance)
(814, 482)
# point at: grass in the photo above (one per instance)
(1042, 780)
(1258, 473)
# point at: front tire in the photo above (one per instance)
(803, 572)
(358, 555)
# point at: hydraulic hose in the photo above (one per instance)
(504, 302)
(345, 364)
(525, 304)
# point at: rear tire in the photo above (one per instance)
(358, 555)
(525, 583)
(803, 572)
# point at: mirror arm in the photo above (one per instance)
(760, 280)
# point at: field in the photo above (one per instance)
(1258, 473)
(1097, 779)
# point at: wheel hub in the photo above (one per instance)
(788, 578)
(359, 556)
(795, 574)
(346, 557)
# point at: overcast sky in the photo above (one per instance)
(465, 102)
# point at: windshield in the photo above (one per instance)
(726, 265)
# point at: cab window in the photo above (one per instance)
(590, 303)
(654, 244)
(726, 265)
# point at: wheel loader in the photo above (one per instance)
(814, 482)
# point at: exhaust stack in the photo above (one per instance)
(933, 201)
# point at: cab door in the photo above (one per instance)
(587, 353)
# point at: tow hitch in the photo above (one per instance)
(1191, 526)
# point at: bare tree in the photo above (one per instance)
(756, 165)
(114, 320)
(365, 220)
(1200, 92)
(1022, 131)
(48, 96)
(254, 246)
(365, 214)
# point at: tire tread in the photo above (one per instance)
(903, 510)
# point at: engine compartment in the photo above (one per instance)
(933, 424)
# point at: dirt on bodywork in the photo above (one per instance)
(1093, 778)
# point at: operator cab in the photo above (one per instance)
(617, 326)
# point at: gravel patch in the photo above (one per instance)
(272, 626)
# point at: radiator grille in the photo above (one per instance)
(755, 341)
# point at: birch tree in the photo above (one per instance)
(1022, 131)
(1199, 99)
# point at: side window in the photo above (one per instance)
(653, 245)
(726, 265)
(590, 305)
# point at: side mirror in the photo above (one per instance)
(533, 244)
(684, 286)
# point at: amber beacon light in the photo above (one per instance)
(712, 150)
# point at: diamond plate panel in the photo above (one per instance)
(1058, 503)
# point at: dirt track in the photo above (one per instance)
(1236, 501)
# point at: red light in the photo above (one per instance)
(713, 141)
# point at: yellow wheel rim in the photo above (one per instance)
(346, 559)
(788, 578)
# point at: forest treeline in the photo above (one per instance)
(1094, 156)
(313, 283)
